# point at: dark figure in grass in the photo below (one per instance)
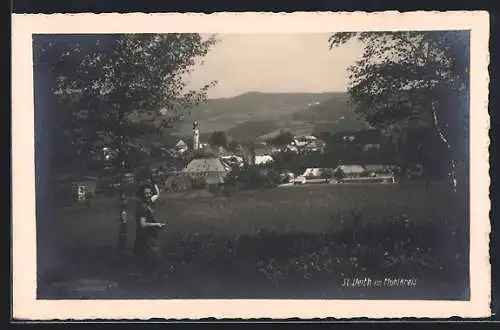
(149, 182)
(147, 244)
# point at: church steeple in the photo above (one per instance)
(196, 136)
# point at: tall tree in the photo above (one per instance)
(111, 88)
(284, 138)
(411, 80)
(233, 146)
(219, 139)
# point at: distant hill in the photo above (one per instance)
(331, 109)
(250, 115)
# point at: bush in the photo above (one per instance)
(254, 177)
(409, 249)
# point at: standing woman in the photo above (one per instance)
(150, 182)
(147, 244)
(147, 181)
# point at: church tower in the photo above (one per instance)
(196, 137)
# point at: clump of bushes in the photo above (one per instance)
(253, 177)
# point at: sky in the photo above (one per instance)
(274, 63)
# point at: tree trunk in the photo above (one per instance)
(123, 231)
(452, 174)
(122, 240)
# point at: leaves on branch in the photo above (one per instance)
(116, 87)
(403, 75)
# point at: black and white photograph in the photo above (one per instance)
(297, 166)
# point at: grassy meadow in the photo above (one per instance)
(297, 241)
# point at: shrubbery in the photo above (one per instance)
(253, 177)
(397, 246)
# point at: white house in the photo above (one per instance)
(263, 159)
(315, 146)
(314, 175)
(233, 160)
(291, 148)
(302, 141)
(181, 146)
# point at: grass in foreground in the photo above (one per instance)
(290, 242)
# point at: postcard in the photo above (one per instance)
(250, 165)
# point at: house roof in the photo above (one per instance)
(379, 167)
(263, 158)
(316, 144)
(375, 167)
(351, 168)
(181, 143)
(206, 165)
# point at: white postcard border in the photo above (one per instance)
(25, 305)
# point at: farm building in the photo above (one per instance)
(379, 169)
(233, 160)
(208, 170)
(315, 175)
(302, 141)
(71, 188)
(366, 174)
(315, 146)
(290, 148)
(263, 159)
(181, 146)
(351, 171)
(317, 172)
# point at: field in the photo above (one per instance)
(251, 115)
(298, 241)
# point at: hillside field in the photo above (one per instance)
(303, 237)
(250, 115)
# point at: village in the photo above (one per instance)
(228, 180)
(210, 167)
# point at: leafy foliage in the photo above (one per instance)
(253, 177)
(233, 146)
(110, 89)
(284, 138)
(219, 139)
(297, 163)
(411, 80)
